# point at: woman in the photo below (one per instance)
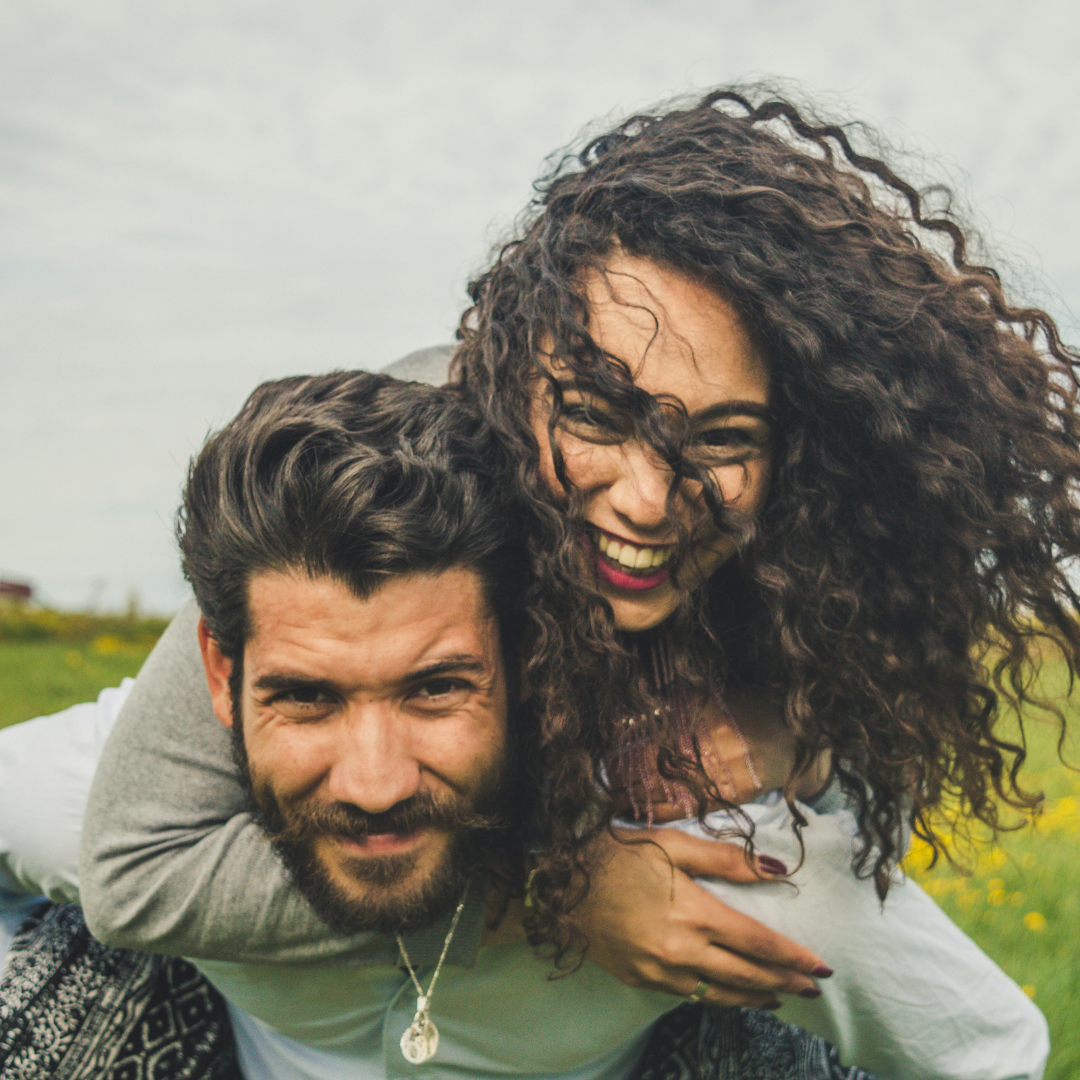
(790, 471)
(842, 464)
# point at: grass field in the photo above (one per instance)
(40, 677)
(1021, 903)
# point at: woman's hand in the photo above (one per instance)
(650, 925)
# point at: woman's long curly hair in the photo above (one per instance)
(911, 560)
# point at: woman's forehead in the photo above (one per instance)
(677, 336)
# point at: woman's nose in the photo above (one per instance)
(639, 493)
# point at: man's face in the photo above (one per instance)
(375, 736)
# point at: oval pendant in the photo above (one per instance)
(419, 1041)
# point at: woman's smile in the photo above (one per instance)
(627, 565)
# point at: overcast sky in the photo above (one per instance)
(198, 195)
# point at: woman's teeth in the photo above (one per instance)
(630, 556)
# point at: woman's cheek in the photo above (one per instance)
(579, 462)
(744, 487)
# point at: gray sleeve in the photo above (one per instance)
(425, 365)
(172, 861)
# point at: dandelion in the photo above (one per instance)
(1029, 990)
(107, 644)
(1063, 815)
(1035, 920)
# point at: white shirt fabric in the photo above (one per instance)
(912, 997)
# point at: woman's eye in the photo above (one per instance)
(725, 437)
(579, 414)
(589, 423)
(728, 442)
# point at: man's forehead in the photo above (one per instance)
(318, 625)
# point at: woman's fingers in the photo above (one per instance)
(725, 978)
(715, 994)
(729, 969)
(730, 977)
(738, 934)
(726, 968)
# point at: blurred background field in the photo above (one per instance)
(1020, 901)
(51, 659)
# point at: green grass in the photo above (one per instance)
(1021, 903)
(40, 677)
(1021, 900)
(52, 659)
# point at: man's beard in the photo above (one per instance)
(391, 904)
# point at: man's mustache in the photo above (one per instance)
(307, 820)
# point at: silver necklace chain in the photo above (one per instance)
(421, 1038)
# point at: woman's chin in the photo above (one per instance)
(637, 613)
(637, 610)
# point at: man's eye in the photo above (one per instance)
(440, 688)
(302, 695)
(440, 694)
(303, 703)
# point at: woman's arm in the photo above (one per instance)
(172, 860)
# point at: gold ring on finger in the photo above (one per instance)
(699, 991)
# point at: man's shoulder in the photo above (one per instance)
(425, 365)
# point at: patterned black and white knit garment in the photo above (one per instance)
(74, 1009)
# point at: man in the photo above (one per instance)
(358, 586)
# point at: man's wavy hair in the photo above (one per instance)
(351, 475)
(911, 560)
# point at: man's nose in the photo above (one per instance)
(639, 493)
(374, 767)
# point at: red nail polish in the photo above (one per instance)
(771, 865)
(774, 1004)
(809, 992)
(821, 972)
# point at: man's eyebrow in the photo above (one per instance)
(463, 663)
(279, 680)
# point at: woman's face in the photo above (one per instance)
(680, 340)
